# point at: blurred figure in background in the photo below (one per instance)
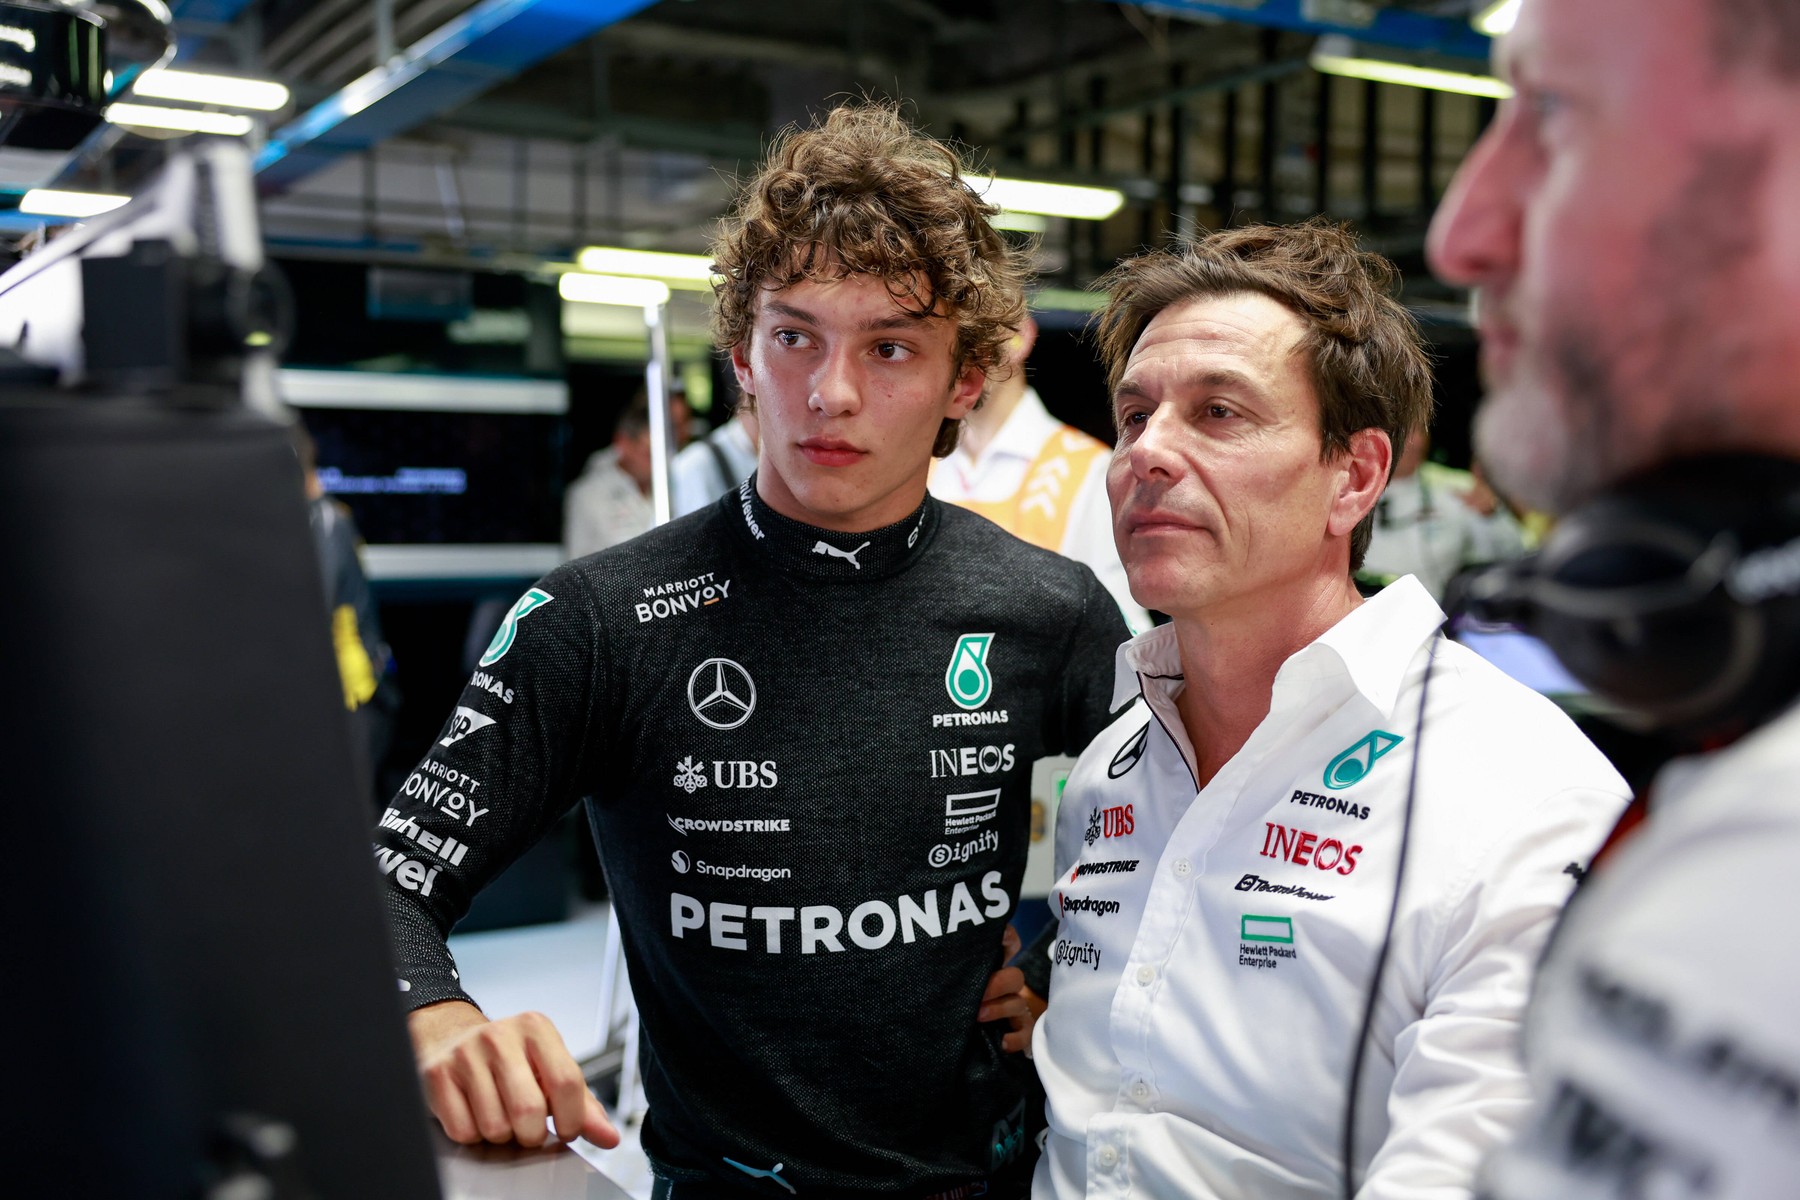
(1433, 521)
(365, 665)
(714, 464)
(610, 502)
(1037, 478)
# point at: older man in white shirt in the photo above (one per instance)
(1232, 849)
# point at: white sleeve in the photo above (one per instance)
(689, 473)
(1089, 539)
(1459, 1084)
(1664, 1054)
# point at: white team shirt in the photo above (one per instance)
(694, 478)
(1216, 948)
(998, 472)
(1663, 1046)
(603, 507)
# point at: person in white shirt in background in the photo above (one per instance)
(1037, 478)
(610, 502)
(1228, 851)
(712, 465)
(1433, 521)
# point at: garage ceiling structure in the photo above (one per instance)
(515, 131)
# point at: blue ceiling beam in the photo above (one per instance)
(1365, 22)
(216, 12)
(492, 42)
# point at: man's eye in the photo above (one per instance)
(1219, 411)
(891, 351)
(1134, 418)
(788, 337)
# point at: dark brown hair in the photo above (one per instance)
(1368, 367)
(863, 192)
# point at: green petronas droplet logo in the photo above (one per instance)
(1349, 768)
(966, 678)
(503, 637)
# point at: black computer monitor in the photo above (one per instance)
(197, 972)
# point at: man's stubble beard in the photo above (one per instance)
(1603, 402)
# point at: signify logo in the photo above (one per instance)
(1353, 765)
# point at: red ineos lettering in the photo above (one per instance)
(1308, 849)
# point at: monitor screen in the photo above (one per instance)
(425, 460)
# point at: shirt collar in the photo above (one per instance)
(1374, 646)
(826, 554)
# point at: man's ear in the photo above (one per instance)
(965, 393)
(740, 366)
(1363, 477)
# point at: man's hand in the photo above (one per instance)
(498, 1081)
(1008, 999)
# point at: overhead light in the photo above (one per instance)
(1052, 199)
(188, 120)
(1336, 56)
(1020, 222)
(195, 87)
(1497, 18)
(612, 289)
(1067, 300)
(693, 272)
(48, 202)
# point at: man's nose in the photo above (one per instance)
(1154, 450)
(1474, 238)
(836, 388)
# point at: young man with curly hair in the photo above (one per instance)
(804, 719)
(1230, 850)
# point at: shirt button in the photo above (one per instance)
(1108, 1157)
(1183, 867)
(1140, 1090)
(1146, 975)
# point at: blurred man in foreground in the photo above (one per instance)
(1229, 853)
(1629, 223)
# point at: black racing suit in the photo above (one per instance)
(808, 756)
(809, 763)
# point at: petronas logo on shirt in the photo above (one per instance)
(966, 678)
(1349, 768)
(533, 599)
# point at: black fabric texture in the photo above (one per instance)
(812, 881)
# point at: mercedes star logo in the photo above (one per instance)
(721, 693)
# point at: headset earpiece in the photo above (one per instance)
(1675, 596)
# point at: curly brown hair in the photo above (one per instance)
(863, 192)
(1368, 364)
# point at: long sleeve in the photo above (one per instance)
(499, 774)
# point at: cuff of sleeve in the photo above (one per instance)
(420, 988)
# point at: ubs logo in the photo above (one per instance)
(721, 693)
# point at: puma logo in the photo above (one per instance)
(827, 548)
